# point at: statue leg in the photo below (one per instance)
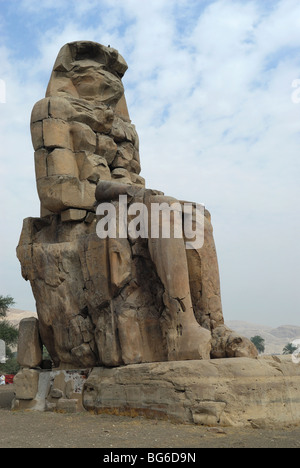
(205, 280)
(185, 338)
(206, 299)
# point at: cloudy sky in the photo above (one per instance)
(210, 90)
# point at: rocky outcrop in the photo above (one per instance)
(112, 300)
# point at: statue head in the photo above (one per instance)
(89, 71)
(81, 132)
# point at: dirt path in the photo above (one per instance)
(52, 430)
(84, 430)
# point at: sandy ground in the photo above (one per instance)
(83, 430)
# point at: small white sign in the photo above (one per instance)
(296, 353)
(2, 352)
(2, 92)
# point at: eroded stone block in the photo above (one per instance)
(26, 384)
(29, 343)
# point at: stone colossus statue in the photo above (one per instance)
(115, 300)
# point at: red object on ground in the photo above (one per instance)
(9, 379)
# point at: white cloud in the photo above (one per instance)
(248, 175)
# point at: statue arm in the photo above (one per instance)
(109, 190)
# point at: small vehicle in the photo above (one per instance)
(9, 379)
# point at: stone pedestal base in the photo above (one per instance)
(55, 390)
(225, 392)
(239, 392)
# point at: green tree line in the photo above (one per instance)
(259, 342)
(9, 334)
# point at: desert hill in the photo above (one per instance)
(275, 338)
(14, 316)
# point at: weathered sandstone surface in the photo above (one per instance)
(49, 390)
(113, 301)
(139, 316)
(239, 392)
(261, 392)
